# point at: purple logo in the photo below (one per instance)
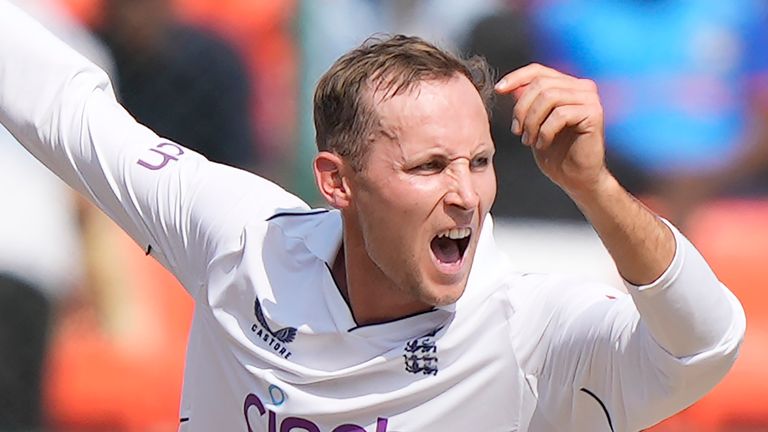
(277, 340)
(170, 154)
(291, 423)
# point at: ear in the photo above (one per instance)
(329, 169)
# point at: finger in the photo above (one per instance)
(546, 102)
(531, 92)
(559, 119)
(546, 87)
(523, 76)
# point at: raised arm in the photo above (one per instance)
(172, 201)
(683, 309)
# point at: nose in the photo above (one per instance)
(462, 193)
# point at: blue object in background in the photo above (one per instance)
(676, 76)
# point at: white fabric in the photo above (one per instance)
(274, 346)
(39, 233)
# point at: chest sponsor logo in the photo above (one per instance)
(420, 354)
(277, 340)
(287, 424)
(163, 154)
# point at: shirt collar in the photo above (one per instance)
(325, 238)
(322, 234)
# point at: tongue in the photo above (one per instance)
(446, 250)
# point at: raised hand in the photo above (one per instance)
(560, 117)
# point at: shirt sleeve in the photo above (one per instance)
(173, 202)
(602, 360)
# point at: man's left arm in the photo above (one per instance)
(685, 309)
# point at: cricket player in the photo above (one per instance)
(394, 311)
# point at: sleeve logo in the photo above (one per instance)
(168, 151)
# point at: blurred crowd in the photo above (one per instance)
(684, 85)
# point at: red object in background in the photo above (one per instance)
(733, 237)
(132, 382)
(87, 11)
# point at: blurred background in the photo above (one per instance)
(93, 334)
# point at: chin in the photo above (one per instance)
(438, 296)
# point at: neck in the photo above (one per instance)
(371, 295)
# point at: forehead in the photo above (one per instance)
(444, 114)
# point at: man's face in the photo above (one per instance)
(425, 188)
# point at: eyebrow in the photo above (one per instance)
(440, 152)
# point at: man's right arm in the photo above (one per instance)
(172, 201)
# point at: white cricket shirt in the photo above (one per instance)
(273, 345)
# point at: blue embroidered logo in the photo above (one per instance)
(421, 354)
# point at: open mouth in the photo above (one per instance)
(450, 245)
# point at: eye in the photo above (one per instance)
(433, 166)
(481, 162)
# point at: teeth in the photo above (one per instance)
(456, 233)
